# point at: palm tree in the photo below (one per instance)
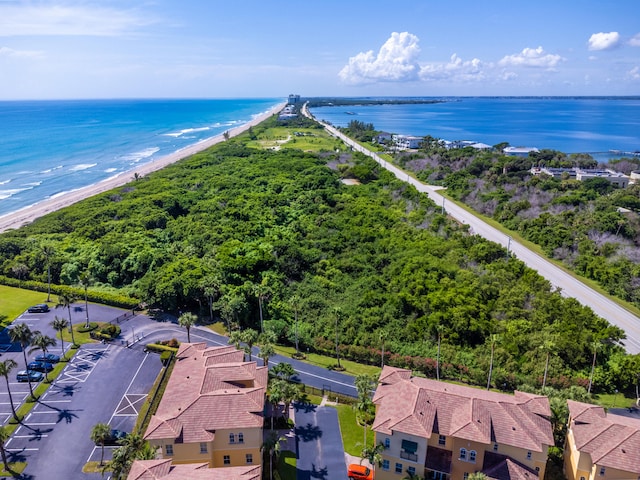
(373, 455)
(60, 324)
(494, 337)
(85, 281)
(284, 371)
(547, 347)
(338, 314)
(439, 330)
(266, 351)
(22, 334)
(272, 446)
(383, 337)
(42, 342)
(261, 291)
(5, 434)
(364, 385)
(477, 476)
(133, 447)
(188, 320)
(65, 300)
(295, 303)
(595, 345)
(250, 337)
(100, 433)
(275, 393)
(5, 370)
(48, 252)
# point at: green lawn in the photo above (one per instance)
(16, 300)
(352, 368)
(610, 400)
(287, 466)
(352, 433)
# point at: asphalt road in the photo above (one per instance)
(569, 286)
(320, 454)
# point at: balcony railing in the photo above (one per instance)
(409, 456)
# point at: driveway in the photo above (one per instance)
(320, 454)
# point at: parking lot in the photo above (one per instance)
(101, 383)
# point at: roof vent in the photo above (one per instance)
(513, 428)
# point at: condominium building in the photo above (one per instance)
(166, 470)
(445, 431)
(601, 445)
(212, 409)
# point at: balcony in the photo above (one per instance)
(409, 456)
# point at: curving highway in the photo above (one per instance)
(569, 286)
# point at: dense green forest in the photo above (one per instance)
(370, 263)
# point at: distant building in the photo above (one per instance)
(287, 112)
(382, 137)
(405, 142)
(481, 146)
(293, 99)
(601, 445)
(444, 431)
(519, 151)
(555, 172)
(212, 409)
(618, 179)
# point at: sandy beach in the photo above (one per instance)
(27, 215)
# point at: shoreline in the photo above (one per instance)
(19, 218)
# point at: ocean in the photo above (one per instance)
(48, 148)
(594, 125)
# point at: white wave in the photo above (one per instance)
(135, 157)
(187, 130)
(4, 182)
(33, 184)
(49, 170)
(110, 170)
(4, 194)
(82, 166)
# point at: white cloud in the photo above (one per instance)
(634, 73)
(456, 68)
(604, 41)
(395, 62)
(531, 57)
(635, 40)
(10, 52)
(45, 20)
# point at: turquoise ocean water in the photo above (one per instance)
(48, 148)
(51, 147)
(593, 125)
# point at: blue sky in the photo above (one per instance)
(265, 48)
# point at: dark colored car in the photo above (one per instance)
(48, 357)
(40, 308)
(40, 366)
(115, 436)
(26, 375)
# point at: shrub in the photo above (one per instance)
(165, 357)
(88, 328)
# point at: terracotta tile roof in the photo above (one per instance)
(164, 470)
(611, 440)
(206, 391)
(501, 467)
(419, 406)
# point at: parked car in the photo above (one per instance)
(359, 472)
(40, 308)
(115, 437)
(48, 357)
(26, 375)
(40, 366)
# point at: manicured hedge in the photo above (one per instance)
(106, 298)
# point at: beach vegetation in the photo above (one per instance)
(199, 235)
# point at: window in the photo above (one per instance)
(241, 438)
(582, 478)
(602, 470)
(465, 476)
(442, 440)
(472, 456)
(232, 438)
(385, 464)
(495, 447)
(398, 468)
(168, 449)
(387, 443)
(411, 470)
(249, 457)
(226, 460)
(529, 455)
(203, 447)
(463, 454)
